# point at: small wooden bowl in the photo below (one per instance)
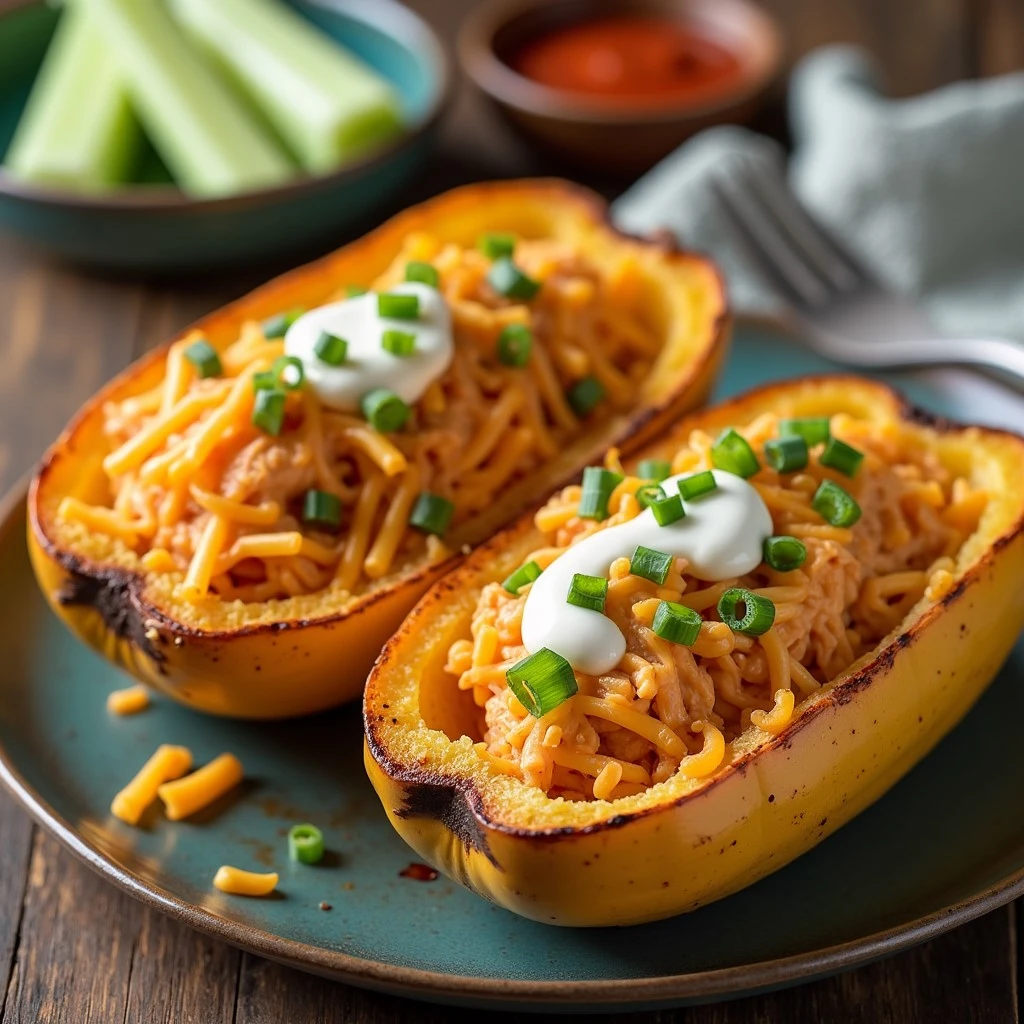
(584, 128)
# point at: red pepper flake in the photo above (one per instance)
(325, 906)
(419, 873)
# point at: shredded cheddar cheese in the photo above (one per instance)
(167, 763)
(183, 797)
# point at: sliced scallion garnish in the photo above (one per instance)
(331, 349)
(598, 484)
(541, 681)
(651, 564)
(697, 485)
(647, 494)
(268, 410)
(784, 554)
(584, 395)
(277, 326)
(835, 505)
(321, 508)
(431, 513)
(786, 454)
(265, 380)
(842, 456)
(524, 574)
(813, 429)
(204, 359)
(398, 343)
(424, 273)
(654, 469)
(746, 612)
(289, 372)
(508, 280)
(668, 511)
(514, 345)
(495, 244)
(306, 844)
(732, 453)
(384, 410)
(587, 592)
(677, 623)
(398, 306)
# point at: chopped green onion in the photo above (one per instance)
(277, 326)
(786, 454)
(425, 273)
(584, 395)
(587, 592)
(784, 554)
(398, 306)
(677, 623)
(431, 513)
(268, 410)
(654, 469)
(321, 508)
(732, 453)
(203, 356)
(813, 429)
(524, 574)
(495, 245)
(842, 456)
(331, 349)
(647, 494)
(398, 343)
(384, 410)
(289, 371)
(598, 484)
(265, 380)
(541, 681)
(668, 511)
(353, 291)
(697, 485)
(514, 345)
(651, 564)
(306, 844)
(508, 280)
(834, 505)
(746, 612)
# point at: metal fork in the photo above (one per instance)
(844, 313)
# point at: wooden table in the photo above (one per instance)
(72, 948)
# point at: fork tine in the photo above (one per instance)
(770, 251)
(818, 247)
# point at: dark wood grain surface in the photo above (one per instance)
(72, 948)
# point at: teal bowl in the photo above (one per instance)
(152, 228)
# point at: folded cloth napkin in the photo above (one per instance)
(929, 190)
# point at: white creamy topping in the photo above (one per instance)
(721, 536)
(368, 365)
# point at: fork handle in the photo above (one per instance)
(998, 354)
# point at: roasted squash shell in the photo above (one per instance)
(684, 843)
(291, 658)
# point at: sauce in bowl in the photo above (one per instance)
(629, 60)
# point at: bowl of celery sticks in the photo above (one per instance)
(170, 136)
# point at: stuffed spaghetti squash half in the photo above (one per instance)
(676, 678)
(243, 517)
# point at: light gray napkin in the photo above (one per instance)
(930, 190)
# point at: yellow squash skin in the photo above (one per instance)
(303, 657)
(685, 843)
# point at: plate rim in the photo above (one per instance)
(710, 985)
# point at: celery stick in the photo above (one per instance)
(327, 105)
(77, 129)
(202, 132)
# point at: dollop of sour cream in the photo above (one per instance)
(721, 536)
(369, 365)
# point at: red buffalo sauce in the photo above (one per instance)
(629, 60)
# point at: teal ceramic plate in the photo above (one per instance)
(895, 876)
(153, 228)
